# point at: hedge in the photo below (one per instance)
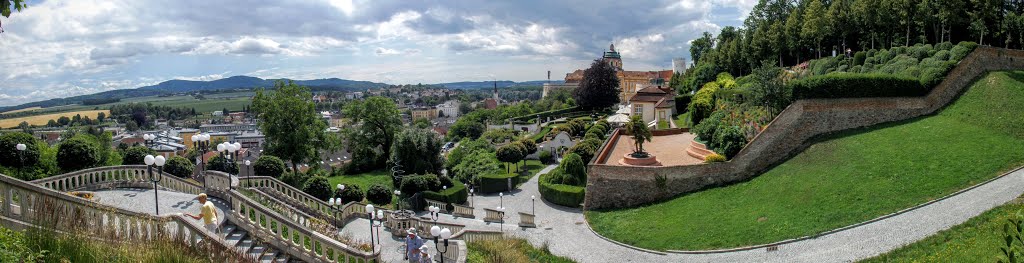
(703, 102)
(682, 101)
(545, 114)
(844, 85)
(456, 194)
(494, 183)
(566, 195)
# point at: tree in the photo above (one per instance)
(290, 123)
(351, 193)
(466, 147)
(268, 165)
(24, 127)
(318, 187)
(11, 157)
(219, 163)
(63, 120)
(7, 5)
(422, 123)
(52, 123)
(814, 25)
(418, 151)
(179, 166)
(77, 153)
(101, 116)
(638, 129)
(531, 146)
(136, 155)
(599, 87)
(509, 153)
(768, 89)
(574, 170)
(475, 164)
(131, 126)
(701, 46)
(378, 194)
(377, 121)
(466, 128)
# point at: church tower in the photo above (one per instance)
(613, 58)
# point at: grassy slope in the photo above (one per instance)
(846, 178)
(511, 251)
(978, 239)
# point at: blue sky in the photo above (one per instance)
(64, 48)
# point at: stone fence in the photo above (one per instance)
(611, 186)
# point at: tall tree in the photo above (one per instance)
(701, 46)
(599, 88)
(377, 121)
(288, 119)
(418, 151)
(814, 25)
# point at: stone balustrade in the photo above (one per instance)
(113, 177)
(478, 235)
(463, 211)
(295, 238)
(493, 216)
(526, 220)
(314, 205)
(440, 204)
(452, 254)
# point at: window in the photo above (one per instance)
(661, 114)
(638, 110)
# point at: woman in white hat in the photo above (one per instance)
(425, 255)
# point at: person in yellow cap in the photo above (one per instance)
(208, 213)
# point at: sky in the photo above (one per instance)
(57, 49)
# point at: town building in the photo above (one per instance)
(429, 113)
(653, 103)
(228, 127)
(448, 109)
(629, 81)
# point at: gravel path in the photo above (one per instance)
(565, 231)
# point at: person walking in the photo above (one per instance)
(425, 255)
(208, 213)
(413, 243)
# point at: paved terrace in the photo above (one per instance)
(669, 149)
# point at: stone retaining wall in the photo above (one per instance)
(610, 186)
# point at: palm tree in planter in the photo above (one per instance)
(638, 128)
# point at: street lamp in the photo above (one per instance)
(501, 212)
(501, 199)
(434, 213)
(157, 161)
(380, 218)
(533, 206)
(472, 197)
(21, 157)
(149, 139)
(248, 168)
(445, 233)
(398, 200)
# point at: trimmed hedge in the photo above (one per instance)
(565, 195)
(456, 194)
(418, 183)
(703, 102)
(845, 85)
(545, 114)
(494, 183)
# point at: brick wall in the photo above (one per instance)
(611, 186)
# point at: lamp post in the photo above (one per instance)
(248, 168)
(157, 161)
(501, 199)
(445, 233)
(533, 206)
(379, 217)
(149, 139)
(472, 197)
(501, 212)
(434, 213)
(398, 200)
(21, 157)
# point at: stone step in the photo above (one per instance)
(235, 237)
(244, 245)
(281, 258)
(257, 250)
(269, 256)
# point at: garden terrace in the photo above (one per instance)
(669, 146)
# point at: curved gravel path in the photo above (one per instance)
(566, 233)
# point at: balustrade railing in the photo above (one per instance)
(526, 220)
(478, 235)
(493, 216)
(115, 176)
(463, 211)
(440, 204)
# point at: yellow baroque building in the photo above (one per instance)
(629, 81)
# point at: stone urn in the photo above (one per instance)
(643, 159)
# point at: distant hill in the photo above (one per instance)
(188, 86)
(490, 84)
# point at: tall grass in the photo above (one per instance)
(510, 251)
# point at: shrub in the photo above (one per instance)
(379, 194)
(268, 165)
(934, 72)
(857, 86)
(944, 46)
(566, 195)
(575, 170)
(494, 183)
(417, 183)
(706, 130)
(960, 51)
(179, 166)
(136, 155)
(546, 157)
(318, 187)
(729, 141)
(859, 57)
(77, 153)
(296, 180)
(352, 193)
(595, 134)
(941, 55)
(456, 194)
(219, 163)
(898, 64)
(714, 158)
(703, 102)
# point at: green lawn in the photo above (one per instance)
(363, 180)
(978, 239)
(662, 124)
(528, 170)
(843, 179)
(683, 120)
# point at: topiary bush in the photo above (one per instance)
(859, 57)
(845, 85)
(179, 166)
(703, 102)
(494, 183)
(418, 183)
(77, 153)
(379, 194)
(575, 171)
(960, 51)
(456, 194)
(268, 165)
(352, 193)
(319, 187)
(565, 195)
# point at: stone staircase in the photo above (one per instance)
(244, 243)
(698, 150)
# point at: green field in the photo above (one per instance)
(976, 240)
(844, 178)
(233, 101)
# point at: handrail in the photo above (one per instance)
(114, 176)
(311, 245)
(289, 191)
